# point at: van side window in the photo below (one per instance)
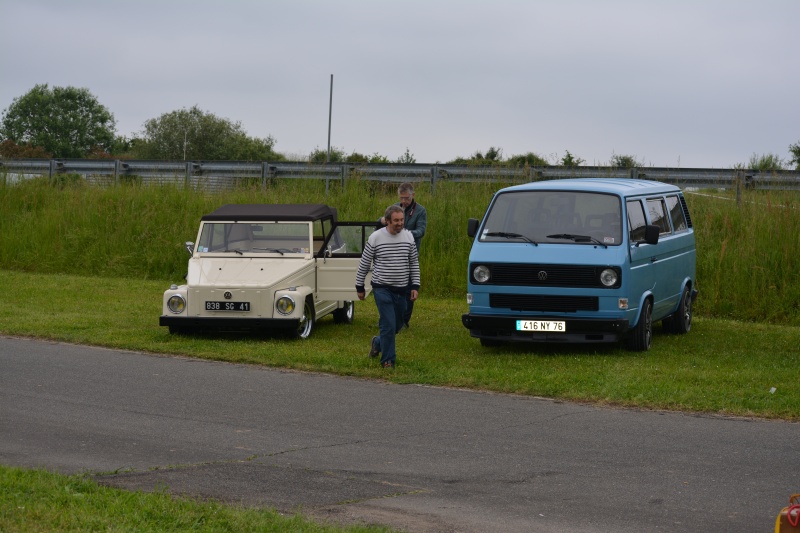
(655, 208)
(676, 213)
(636, 220)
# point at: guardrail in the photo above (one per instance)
(222, 175)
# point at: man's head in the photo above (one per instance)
(395, 218)
(406, 194)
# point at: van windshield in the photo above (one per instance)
(564, 217)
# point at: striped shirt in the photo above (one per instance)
(394, 261)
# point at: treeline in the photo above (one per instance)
(70, 122)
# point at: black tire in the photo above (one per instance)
(306, 325)
(490, 343)
(641, 337)
(680, 322)
(344, 315)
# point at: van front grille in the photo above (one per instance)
(544, 303)
(543, 275)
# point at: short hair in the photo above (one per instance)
(406, 187)
(393, 209)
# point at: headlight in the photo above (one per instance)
(481, 273)
(285, 305)
(176, 304)
(609, 277)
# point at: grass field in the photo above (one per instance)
(721, 366)
(88, 265)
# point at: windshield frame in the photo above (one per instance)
(554, 216)
(259, 239)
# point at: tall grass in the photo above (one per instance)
(748, 265)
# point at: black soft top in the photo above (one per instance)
(271, 212)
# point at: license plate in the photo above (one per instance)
(227, 306)
(549, 326)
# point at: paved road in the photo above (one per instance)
(420, 458)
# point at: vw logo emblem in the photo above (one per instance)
(228, 295)
(542, 275)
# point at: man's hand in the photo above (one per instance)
(361, 295)
(414, 295)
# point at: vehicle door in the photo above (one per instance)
(642, 255)
(338, 259)
(668, 275)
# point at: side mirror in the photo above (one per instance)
(472, 226)
(651, 232)
(190, 247)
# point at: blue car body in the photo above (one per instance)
(581, 260)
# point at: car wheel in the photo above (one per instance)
(306, 324)
(680, 321)
(344, 315)
(490, 343)
(641, 336)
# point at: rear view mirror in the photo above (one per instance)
(472, 226)
(651, 232)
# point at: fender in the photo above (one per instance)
(298, 295)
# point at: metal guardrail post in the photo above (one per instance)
(434, 178)
(117, 165)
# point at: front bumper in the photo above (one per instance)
(578, 330)
(238, 323)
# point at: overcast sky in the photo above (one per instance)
(694, 83)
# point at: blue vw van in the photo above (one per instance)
(581, 260)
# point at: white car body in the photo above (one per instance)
(268, 266)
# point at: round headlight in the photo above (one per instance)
(481, 273)
(609, 277)
(285, 305)
(176, 304)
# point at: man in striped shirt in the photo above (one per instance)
(392, 254)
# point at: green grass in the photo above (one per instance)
(721, 366)
(748, 267)
(35, 500)
(740, 358)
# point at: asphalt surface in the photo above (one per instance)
(359, 451)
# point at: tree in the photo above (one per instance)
(493, 155)
(530, 159)
(193, 134)
(794, 149)
(765, 162)
(570, 160)
(321, 156)
(407, 158)
(63, 121)
(12, 150)
(625, 161)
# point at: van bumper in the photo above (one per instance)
(504, 328)
(232, 323)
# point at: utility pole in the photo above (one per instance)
(330, 114)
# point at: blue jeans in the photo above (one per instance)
(391, 308)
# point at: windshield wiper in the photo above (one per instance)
(511, 236)
(276, 250)
(577, 238)
(238, 251)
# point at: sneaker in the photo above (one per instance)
(375, 347)
(388, 364)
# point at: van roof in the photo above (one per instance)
(619, 186)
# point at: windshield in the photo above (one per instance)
(262, 237)
(563, 217)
